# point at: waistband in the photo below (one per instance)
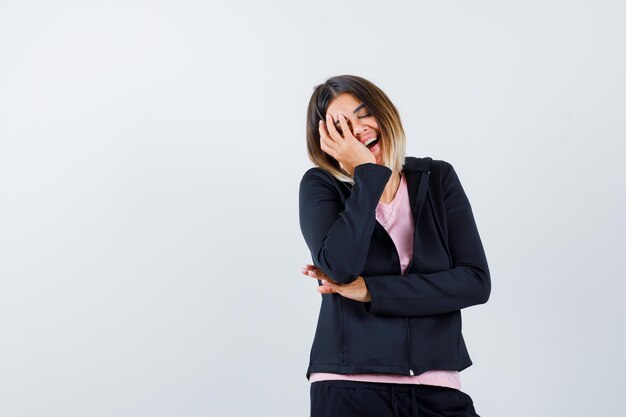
(383, 386)
(414, 390)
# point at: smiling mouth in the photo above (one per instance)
(374, 142)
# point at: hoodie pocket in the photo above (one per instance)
(442, 236)
(370, 339)
(342, 344)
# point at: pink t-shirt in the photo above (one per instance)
(397, 219)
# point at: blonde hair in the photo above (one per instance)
(392, 138)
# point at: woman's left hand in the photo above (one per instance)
(356, 290)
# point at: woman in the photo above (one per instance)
(397, 255)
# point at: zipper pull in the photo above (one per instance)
(411, 372)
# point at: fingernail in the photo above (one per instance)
(328, 116)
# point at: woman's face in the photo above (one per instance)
(363, 125)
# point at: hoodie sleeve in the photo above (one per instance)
(337, 236)
(467, 283)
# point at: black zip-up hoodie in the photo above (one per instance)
(413, 322)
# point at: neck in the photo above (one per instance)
(391, 188)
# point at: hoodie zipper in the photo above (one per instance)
(423, 184)
(406, 319)
(423, 187)
(408, 334)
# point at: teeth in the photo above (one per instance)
(370, 141)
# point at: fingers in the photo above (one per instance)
(311, 270)
(328, 286)
(322, 289)
(332, 130)
(328, 283)
(345, 129)
(327, 144)
(314, 272)
(310, 266)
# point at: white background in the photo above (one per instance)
(150, 156)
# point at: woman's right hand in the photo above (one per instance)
(346, 149)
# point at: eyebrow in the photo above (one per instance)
(359, 107)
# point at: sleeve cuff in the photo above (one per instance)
(375, 305)
(370, 168)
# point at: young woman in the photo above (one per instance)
(396, 254)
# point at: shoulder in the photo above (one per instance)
(444, 166)
(316, 179)
(427, 163)
(441, 172)
(446, 175)
(316, 174)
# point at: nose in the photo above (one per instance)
(358, 126)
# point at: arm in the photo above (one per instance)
(467, 283)
(338, 237)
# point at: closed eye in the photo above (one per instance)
(338, 125)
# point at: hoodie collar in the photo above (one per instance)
(413, 164)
